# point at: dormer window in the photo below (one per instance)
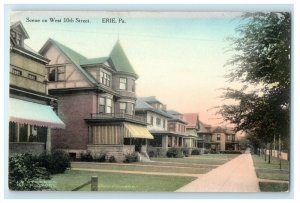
(17, 37)
(105, 78)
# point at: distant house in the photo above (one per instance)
(177, 126)
(157, 121)
(31, 109)
(96, 100)
(223, 139)
(193, 126)
(205, 136)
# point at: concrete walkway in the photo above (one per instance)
(237, 175)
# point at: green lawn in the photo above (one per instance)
(270, 171)
(150, 167)
(118, 181)
(273, 187)
(213, 159)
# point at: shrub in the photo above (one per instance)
(101, 157)
(86, 157)
(56, 162)
(206, 151)
(152, 153)
(25, 174)
(112, 159)
(174, 152)
(196, 152)
(186, 152)
(133, 157)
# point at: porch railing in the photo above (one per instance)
(118, 116)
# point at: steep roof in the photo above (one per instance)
(73, 56)
(120, 60)
(203, 128)
(15, 24)
(141, 105)
(117, 59)
(192, 119)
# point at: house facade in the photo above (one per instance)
(205, 136)
(223, 139)
(157, 123)
(31, 109)
(96, 100)
(193, 126)
(177, 126)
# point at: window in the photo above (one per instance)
(164, 123)
(228, 137)
(56, 73)
(102, 105)
(105, 78)
(130, 108)
(60, 73)
(122, 107)
(151, 120)
(32, 77)
(16, 72)
(19, 39)
(108, 105)
(218, 137)
(158, 121)
(123, 83)
(133, 86)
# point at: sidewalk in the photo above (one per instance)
(237, 175)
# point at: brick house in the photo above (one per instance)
(31, 114)
(96, 100)
(223, 139)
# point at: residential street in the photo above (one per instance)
(237, 175)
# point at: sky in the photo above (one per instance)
(179, 57)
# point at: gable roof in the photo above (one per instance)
(141, 105)
(203, 128)
(117, 59)
(15, 24)
(192, 119)
(120, 61)
(72, 55)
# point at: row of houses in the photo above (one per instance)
(60, 99)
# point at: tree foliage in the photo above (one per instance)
(262, 52)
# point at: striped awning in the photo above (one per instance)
(136, 131)
(25, 112)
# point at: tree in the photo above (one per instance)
(261, 61)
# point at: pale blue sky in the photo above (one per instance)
(179, 57)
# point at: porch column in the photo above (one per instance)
(48, 142)
(164, 141)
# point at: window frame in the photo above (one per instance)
(123, 85)
(32, 77)
(59, 71)
(17, 72)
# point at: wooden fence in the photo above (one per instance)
(93, 182)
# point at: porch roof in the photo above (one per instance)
(25, 112)
(136, 131)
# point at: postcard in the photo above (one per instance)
(149, 101)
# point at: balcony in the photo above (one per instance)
(115, 117)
